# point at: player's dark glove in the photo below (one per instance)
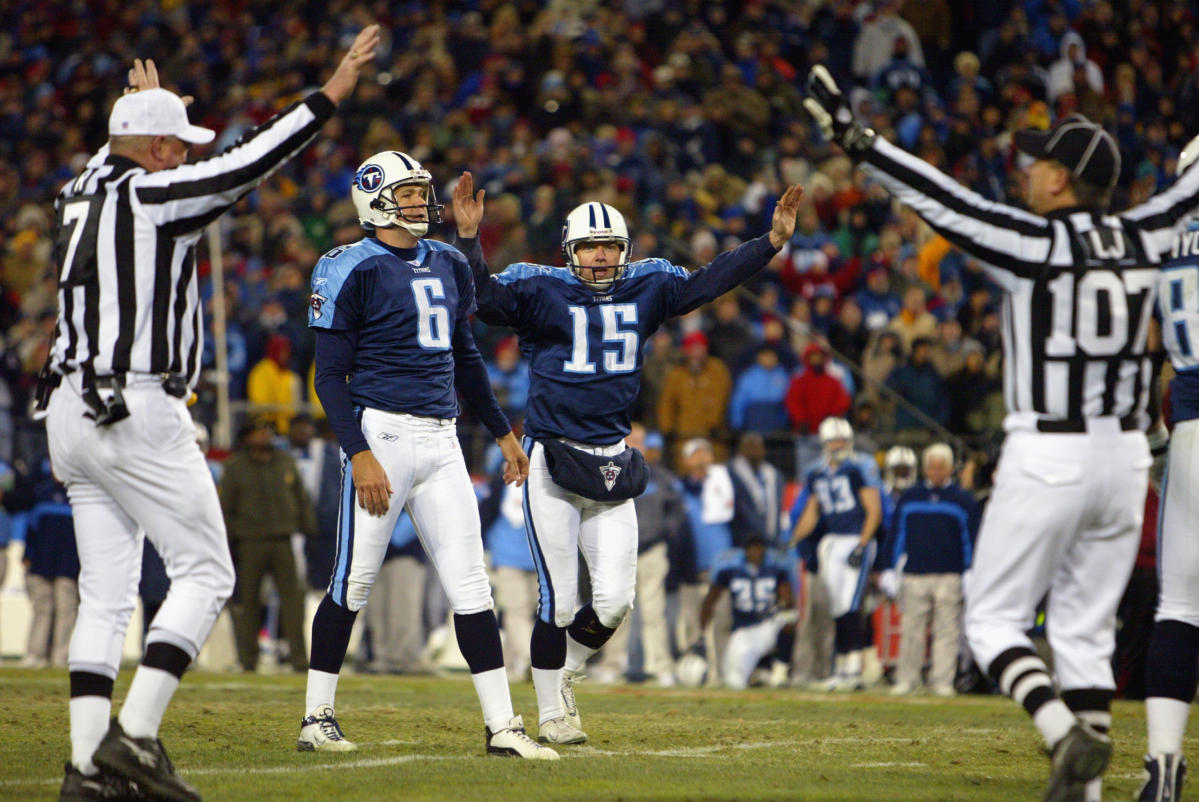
(855, 557)
(700, 648)
(832, 114)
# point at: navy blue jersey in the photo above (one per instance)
(585, 348)
(935, 528)
(752, 588)
(1178, 300)
(836, 491)
(405, 312)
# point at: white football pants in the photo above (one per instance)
(143, 476)
(745, 649)
(1064, 518)
(423, 461)
(1177, 544)
(559, 524)
(846, 584)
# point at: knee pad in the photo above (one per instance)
(612, 616)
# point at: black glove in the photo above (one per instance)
(855, 557)
(832, 114)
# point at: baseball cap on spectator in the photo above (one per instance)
(155, 112)
(1087, 151)
(695, 338)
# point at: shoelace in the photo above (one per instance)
(568, 689)
(330, 729)
(523, 736)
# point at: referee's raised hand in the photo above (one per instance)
(341, 84)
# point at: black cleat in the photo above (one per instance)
(145, 762)
(78, 787)
(1076, 759)
(1163, 778)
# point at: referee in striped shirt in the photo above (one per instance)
(1079, 286)
(125, 356)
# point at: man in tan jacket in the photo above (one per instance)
(695, 398)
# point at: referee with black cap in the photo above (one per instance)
(124, 358)
(1065, 515)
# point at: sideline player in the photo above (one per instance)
(844, 502)
(121, 439)
(583, 326)
(1172, 670)
(393, 349)
(762, 606)
(1065, 515)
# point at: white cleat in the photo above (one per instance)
(560, 731)
(320, 732)
(515, 742)
(567, 692)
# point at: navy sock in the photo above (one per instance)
(1173, 662)
(168, 657)
(330, 636)
(548, 647)
(785, 645)
(479, 641)
(848, 637)
(85, 683)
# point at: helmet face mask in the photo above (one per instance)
(836, 440)
(596, 223)
(374, 193)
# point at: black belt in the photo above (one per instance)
(1128, 423)
(173, 383)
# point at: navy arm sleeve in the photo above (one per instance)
(497, 304)
(723, 273)
(334, 362)
(470, 377)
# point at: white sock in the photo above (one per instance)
(1093, 790)
(89, 722)
(494, 697)
(853, 664)
(322, 690)
(1167, 723)
(148, 697)
(548, 682)
(1054, 720)
(577, 654)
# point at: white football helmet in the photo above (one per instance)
(899, 468)
(373, 191)
(596, 222)
(836, 439)
(692, 670)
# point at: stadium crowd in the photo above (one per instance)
(685, 116)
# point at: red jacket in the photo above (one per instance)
(813, 396)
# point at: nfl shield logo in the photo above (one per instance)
(610, 472)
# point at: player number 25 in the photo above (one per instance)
(433, 320)
(618, 360)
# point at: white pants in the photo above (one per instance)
(143, 476)
(846, 585)
(423, 461)
(925, 599)
(560, 524)
(1064, 518)
(652, 567)
(746, 647)
(1177, 538)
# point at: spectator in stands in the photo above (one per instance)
(878, 304)
(51, 564)
(948, 348)
(709, 500)
(935, 524)
(660, 520)
(914, 319)
(876, 40)
(848, 335)
(509, 375)
(695, 398)
(273, 388)
(729, 334)
(758, 398)
(757, 493)
(918, 383)
(397, 624)
(319, 463)
(264, 502)
(975, 395)
(1073, 73)
(814, 395)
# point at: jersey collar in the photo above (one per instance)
(407, 254)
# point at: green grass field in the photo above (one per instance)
(233, 737)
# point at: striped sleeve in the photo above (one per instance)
(1004, 236)
(1162, 217)
(189, 197)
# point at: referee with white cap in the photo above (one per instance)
(1065, 516)
(125, 356)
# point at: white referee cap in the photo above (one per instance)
(155, 112)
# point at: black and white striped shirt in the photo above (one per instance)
(1079, 288)
(128, 294)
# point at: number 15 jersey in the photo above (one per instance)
(585, 348)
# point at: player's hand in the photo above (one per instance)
(341, 83)
(855, 557)
(468, 207)
(374, 488)
(516, 461)
(832, 114)
(888, 583)
(144, 75)
(782, 225)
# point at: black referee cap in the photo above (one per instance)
(1088, 151)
